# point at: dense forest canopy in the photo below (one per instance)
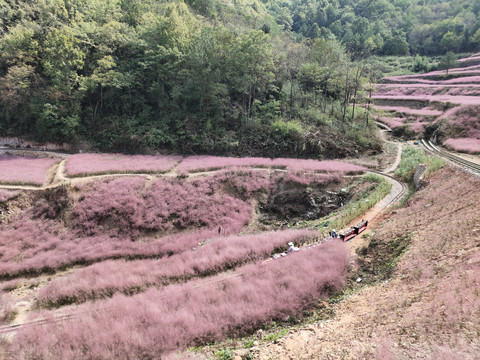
(272, 77)
(386, 27)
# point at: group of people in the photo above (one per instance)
(292, 248)
(331, 235)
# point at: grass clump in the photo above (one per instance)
(224, 354)
(275, 336)
(412, 157)
(364, 202)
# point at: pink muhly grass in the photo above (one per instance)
(471, 58)
(466, 119)
(424, 90)
(418, 127)
(207, 163)
(165, 205)
(463, 79)
(334, 166)
(35, 246)
(94, 164)
(178, 316)
(393, 123)
(6, 308)
(438, 301)
(311, 178)
(460, 100)
(113, 219)
(24, 170)
(216, 255)
(7, 194)
(243, 182)
(468, 145)
(407, 110)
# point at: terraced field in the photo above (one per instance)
(157, 254)
(441, 106)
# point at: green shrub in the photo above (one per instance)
(412, 157)
(365, 202)
(287, 128)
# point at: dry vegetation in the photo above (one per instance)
(424, 304)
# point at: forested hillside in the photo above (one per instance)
(209, 76)
(387, 27)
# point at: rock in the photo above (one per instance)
(418, 176)
(240, 353)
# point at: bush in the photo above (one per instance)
(288, 128)
(412, 157)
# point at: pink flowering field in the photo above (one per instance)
(119, 276)
(422, 90)
(7, 194)
(95, 164)
(410, 111)
(468, 145)
(178, 316)
(458, 100)
(208, 163)
(453, 104)
(131, 217)
(23, 170)
(193, 254)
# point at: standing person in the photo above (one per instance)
(334, 234)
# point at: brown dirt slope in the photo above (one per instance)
(430, 307)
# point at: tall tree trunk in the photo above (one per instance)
(291, 96)
(369, 101)
(356, 85)
(347, 95)
(325, 95)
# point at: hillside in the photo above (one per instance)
(184, 77)
(418, 298)
(441, 105)
(395, 27)
(234, 78)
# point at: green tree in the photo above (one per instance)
(448, 61)
(52, 126)
(62, 57)
(449, 42)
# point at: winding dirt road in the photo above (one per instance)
(59, 178)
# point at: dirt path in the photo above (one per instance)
(57, 177)
(304, 343)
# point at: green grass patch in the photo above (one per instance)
(412, 156)
(368, 199)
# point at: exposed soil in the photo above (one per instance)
(296, 202)
(414, 295)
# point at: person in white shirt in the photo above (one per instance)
(292, 248)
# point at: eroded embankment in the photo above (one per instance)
(428, 306)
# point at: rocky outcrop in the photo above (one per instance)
(418, 176)
(15, 142)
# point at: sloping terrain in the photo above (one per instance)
(119, 252)
(422, 305)
(440, 105)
